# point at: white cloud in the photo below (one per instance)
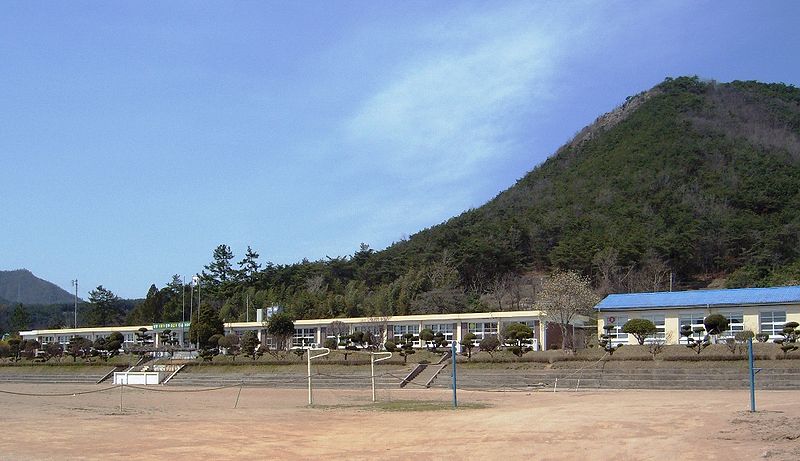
(449, 110)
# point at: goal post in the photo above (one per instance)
(372, 362)
(310, 354)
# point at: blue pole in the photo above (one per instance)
(455, 398)
(752, 376)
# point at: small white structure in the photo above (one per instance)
(139, 377)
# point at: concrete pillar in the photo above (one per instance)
(672, 328)
(457, 335)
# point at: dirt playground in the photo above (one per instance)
(173, 424)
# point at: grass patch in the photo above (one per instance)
(406, 405)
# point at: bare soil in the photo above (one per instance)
(278, 424)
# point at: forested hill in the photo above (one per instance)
(694, 181)
(21, 286)
(698, 178)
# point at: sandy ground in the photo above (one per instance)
(278, 424)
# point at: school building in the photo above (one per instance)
(760, 310)
(313, 333)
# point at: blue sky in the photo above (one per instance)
(137, 136)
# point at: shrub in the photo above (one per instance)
(332, 344)
(696, 344)
(467, 343)
(489, 344)
(519, 335)
(716, 323)
(640, 329)
(606, 342)
(791, 334)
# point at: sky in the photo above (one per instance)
(137, 136)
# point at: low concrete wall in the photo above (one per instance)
(139, 377)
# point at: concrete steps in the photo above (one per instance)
(468, 378)
(55, 378)
(285, 380)
(693, 378)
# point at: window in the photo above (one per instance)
(482, 330)
(693, 320)
(736, 324)
(401, 330)
(616, 334)
(772, 323)
(375, 332)
(445, 328)
(304, 337)
(658, 321)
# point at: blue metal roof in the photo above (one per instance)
(695, 298)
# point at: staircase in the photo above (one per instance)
(424, 374)
(336, 380)
(663, 378)
(77, 377)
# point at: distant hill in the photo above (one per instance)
(21, 286)
(695, 177)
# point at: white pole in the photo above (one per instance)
(183, 309)
(372, 368)
(310, 356)
(310, 395)
(75, 282)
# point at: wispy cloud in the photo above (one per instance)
(450, 108)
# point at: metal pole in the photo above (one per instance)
(455, 396)
(752, 376)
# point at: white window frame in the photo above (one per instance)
(690, 318)
(773, 327)
(660, 321)
(482, 330)
(399, 330)
(304, 337)
(736, 325)
(446, 329)
(616, 335)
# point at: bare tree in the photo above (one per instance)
(339, 329)
(443, 273)
(564, 296)
(606, 261)
(652, 274)
(315, 284)
(499, 289)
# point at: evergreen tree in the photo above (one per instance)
(249, 266)
(19, 318)
(206, 325)
(104, 308)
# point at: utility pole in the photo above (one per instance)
(75, 284)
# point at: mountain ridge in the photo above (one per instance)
(22, 286)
